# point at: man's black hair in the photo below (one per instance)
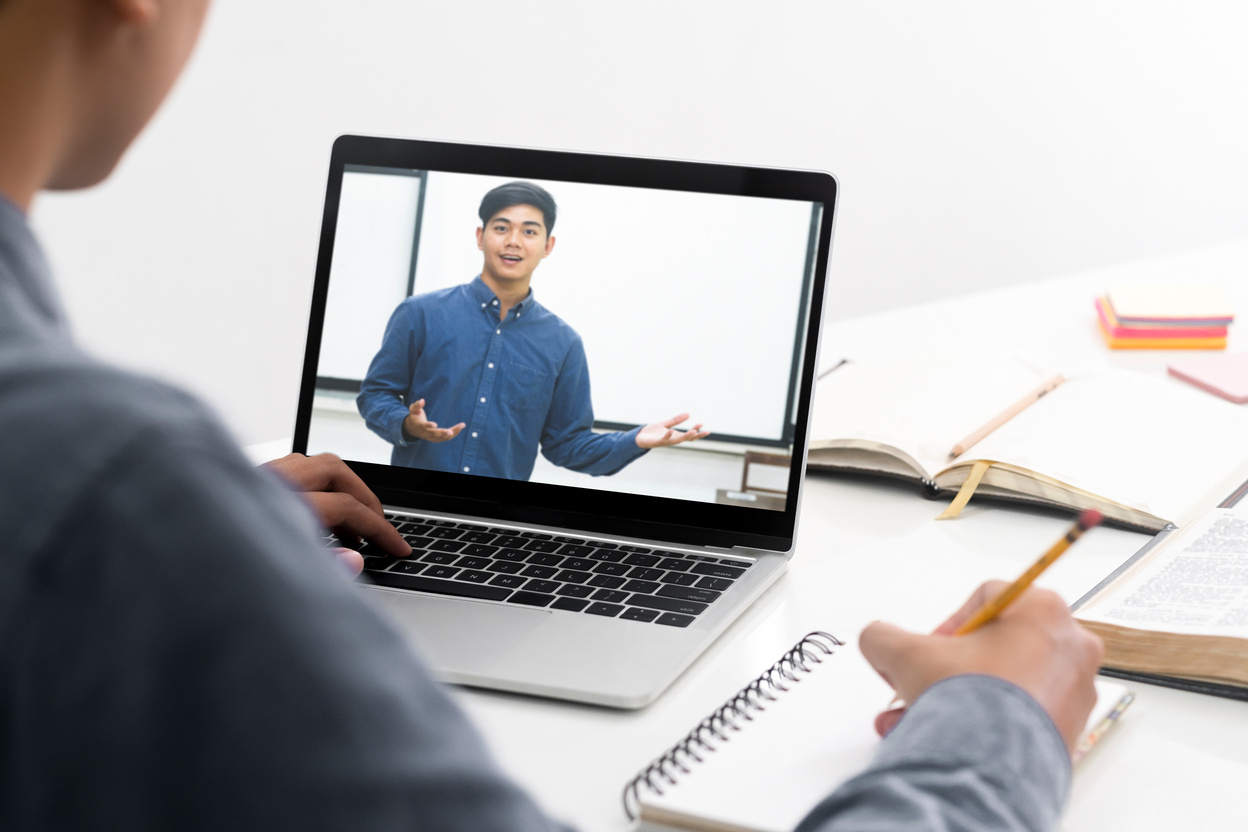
(519, 193)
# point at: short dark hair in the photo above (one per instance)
(519, 193)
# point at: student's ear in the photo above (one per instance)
(133, 11)
(480, 232)
(550, 244)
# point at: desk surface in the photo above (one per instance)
(872, 550)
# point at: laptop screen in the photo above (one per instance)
(574, 340)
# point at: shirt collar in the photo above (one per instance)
(485, 296)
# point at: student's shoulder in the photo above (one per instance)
(438, 298)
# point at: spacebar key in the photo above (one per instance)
(463, 589)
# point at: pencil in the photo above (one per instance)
(995, 605)
(1008, 414)
(1005, 597)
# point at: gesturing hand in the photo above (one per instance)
(342, 503)
(662, 434)
(1035, 644)
(418, 426)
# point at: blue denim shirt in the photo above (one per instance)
(515, 383)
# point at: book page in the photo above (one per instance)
(1148, 442)
(923, 406)
(1196, 584)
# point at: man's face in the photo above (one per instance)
(514, 242)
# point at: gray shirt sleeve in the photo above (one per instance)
(973, 753)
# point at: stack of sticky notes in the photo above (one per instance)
(1165, 316)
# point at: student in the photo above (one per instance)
(485, 357)
(176, 652)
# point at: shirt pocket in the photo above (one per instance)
(527, 388)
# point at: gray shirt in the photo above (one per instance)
(176, 652)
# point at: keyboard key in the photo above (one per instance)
(541, 545)
(511, 554)
(606, 581)
(664, 554)
(537, 536)
(643, 550)
(443, 533)
(439, 557)
(637, 614)
(672, 619)
(573, 604)
(642, 560)
(541, 586)
(378, 564)
(583, 564)
(482, 563)
(546, 560)
(702, 558)
(474, 575)
(575, 591)
(645, 587)
(679, 579)
(575, 550)
(743, 564)
(599, 608)
(480, 549)
(641, 573)
(611, 595)
(602, 545)
(440, 571)
(446, 546)
(674, 564)
(717, 570)
(505, 566)
(539, 571)
(420, 583)
(612, 568)
(689, 593)
(420, 529)
(572, 576)
(470, 527)
(509, 581)
(418, 542)
(655, 602)
(441, 522)
(478, 537)
(601, 554)
(715, 583)
(533, 599)
(513, 541)
(408, 567)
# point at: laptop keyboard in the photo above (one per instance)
(544, 570)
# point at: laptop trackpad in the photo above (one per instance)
(457, 635)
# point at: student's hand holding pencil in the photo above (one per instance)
(1035, 644)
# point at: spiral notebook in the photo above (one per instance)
(762, 760)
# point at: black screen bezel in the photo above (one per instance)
(587, 510)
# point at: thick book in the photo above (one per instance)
(765, 757)
(1145, 450)
(1177, 613)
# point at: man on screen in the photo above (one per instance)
(504, 372)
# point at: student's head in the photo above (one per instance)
(515, 234)
(89, 76)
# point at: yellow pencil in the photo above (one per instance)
(1005, 597)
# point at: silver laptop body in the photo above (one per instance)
(694, 288)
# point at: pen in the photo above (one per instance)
(1009, 413)
(1093, 737)
(995, 605)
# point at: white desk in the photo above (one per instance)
(1178, 761)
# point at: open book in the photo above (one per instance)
(1144, 450)
(767, 756)
(1177, 613)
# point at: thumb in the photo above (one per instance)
(892, 651)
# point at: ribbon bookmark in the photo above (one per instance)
(966, 491)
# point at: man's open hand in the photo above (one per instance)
(417, 425)
(662, 434)
(342, 503)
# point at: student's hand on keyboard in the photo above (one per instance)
(342, 503)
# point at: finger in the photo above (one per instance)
(675, 420)
(351, 559)
(897, 655)
(886, 721)
(417, 407)
(345, 515)
(456, 429)
(982, 594)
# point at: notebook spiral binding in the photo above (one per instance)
(725, 720)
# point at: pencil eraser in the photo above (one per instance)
(1090, 518)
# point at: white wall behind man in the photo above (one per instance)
(977, 143)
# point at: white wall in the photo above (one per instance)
(977, 143)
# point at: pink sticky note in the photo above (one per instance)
(1224, 375)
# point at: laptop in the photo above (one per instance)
(581, 386)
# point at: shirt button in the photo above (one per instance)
(495, 303)
(466, 469)
(498, 332)
(474, 434)
(483, 306)
(483, 400)
(491, 366)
